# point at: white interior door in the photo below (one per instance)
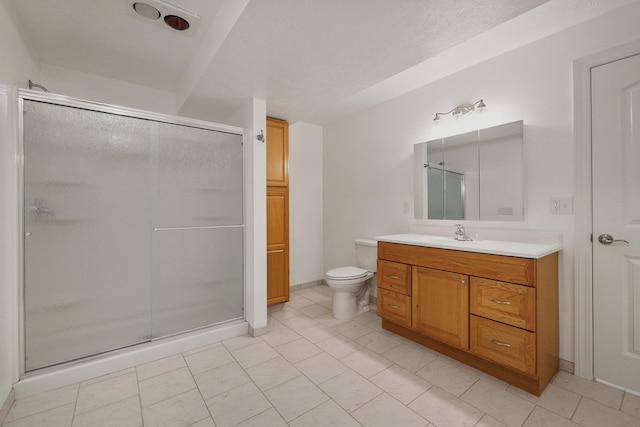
(616, 216)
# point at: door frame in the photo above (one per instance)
(583, 226)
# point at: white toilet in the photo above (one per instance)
(350, 287)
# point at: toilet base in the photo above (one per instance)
(345, 305)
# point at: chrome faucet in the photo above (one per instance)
(461, 235)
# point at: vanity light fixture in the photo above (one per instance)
(463, 109)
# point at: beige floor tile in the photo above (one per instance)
(164, 386)
(199, 349)
(595, 414)
(556, 399)
(595, 391)
(161, 366)
(631, 405)
(447, 376)
(352, 329)
(327, 414)
(484, 376)
(109, 376)
(93, 395)
(272, 373)
(42, 402)
(410, 358)
(280, 336)
(339, 346)
(298, 350)
(242, 341)
(237, 405)
(369, 316)
(268, 418)
(298, 322)
(220, 379)
(403, 385)
(350, 390)
(178, 411)
(125, 413)
(295, 397)
(500, 404)
(378, 342)
(298, 301)
(317, 333)
(321, 367)
(366, 362)
(489, 421)
(541, 417)
(329, 321)
(314, 310)
(444, 409)
(208, 359)
(254, 354)
(285, 313)
(56, 417)
(384, 411)
(207, 422)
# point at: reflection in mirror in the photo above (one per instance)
(473, 176)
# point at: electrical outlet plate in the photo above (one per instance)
(562, 205)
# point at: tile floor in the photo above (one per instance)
(313, 370)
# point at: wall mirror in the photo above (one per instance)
(476, 175)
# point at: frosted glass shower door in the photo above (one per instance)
(87, 236)
(198, 233)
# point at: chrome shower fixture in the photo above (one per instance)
(32, 85)
(463, 109)
(160, 13)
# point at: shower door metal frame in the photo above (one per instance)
(67, 101)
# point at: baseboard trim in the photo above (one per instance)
(567, 366)
(258, 331)
(4, 411)
(307, 285)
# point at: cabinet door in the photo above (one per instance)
(277, 245)
(441, 305)
(277, 153)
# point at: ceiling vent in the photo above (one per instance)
(158, 12)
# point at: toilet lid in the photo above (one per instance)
(345, 273)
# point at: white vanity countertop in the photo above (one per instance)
(496, 247)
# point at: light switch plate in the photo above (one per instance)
(561, 205)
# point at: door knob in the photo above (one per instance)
(607, 239)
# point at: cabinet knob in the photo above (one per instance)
(463, 282)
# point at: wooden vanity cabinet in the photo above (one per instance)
(496, 313)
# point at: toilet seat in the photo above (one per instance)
(346, 273)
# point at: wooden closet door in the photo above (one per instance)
(277, 153)
(277, 245)
(277, 211)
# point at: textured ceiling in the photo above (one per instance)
(305, 57)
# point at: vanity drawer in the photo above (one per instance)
(504, 302)
(394, 276)
(394, 307)
(508, 346)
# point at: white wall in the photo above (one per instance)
(305, 203)
(108, 91)
(367, 157)
(253, 117)
(17, 66)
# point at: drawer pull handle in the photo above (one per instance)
(501, 344)
(393, 276)
(393, 306)
(496, 301)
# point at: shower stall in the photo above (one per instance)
(133, 227)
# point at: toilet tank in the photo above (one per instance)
(367, 254)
